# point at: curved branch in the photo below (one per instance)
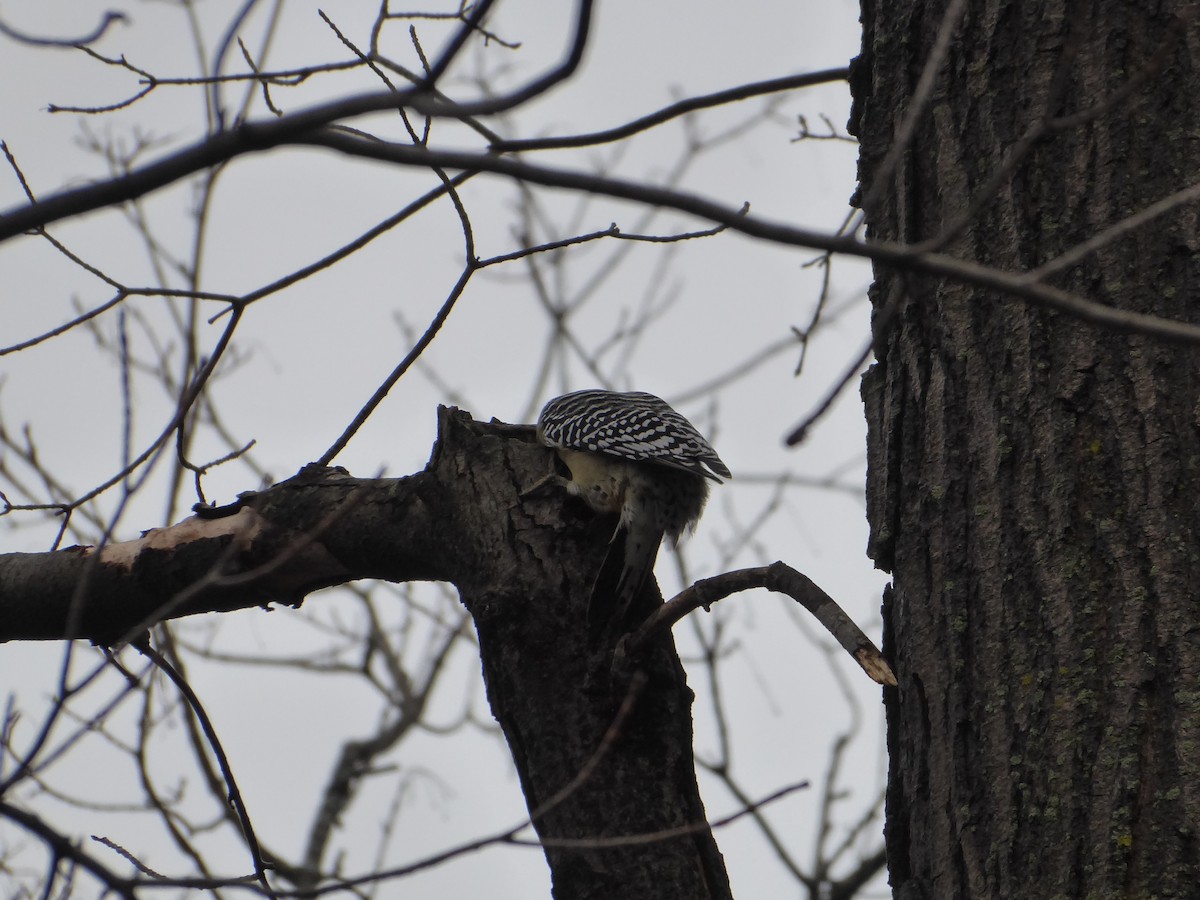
(110, 18)
(778, 577)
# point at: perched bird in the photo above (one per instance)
(630, 454)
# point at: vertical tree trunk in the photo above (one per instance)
(1033, 480)
(605, 760)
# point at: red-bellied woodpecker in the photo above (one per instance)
(631, 454)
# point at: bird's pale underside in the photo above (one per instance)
(633, 455)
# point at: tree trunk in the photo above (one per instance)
(1032, 480)
(605, 762)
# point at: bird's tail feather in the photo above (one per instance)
(623, 573)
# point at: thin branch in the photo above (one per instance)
(917, 104)
(674, 111)
(1115, 232)
(121, 62)
(182, 409)
(612, 231)
(880, 326)
(510, 837)
(1047, 123)
(214, 743)
(403, 366)
(1012, 285)
(471, 23)
(849, 886)
(633, 840)
(459, 15)
(778, 577)
(63, 848)
(110, 18)
(90, 314)
(358, 243)
(764, 827)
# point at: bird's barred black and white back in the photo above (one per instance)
(635, 426)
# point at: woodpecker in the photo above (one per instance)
(633, 455)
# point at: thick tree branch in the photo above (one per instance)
(278, 546)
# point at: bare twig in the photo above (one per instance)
(674, 111)
(777, 577)
(214, 743)
(62, 848)
(1115, 232)
(403, 366)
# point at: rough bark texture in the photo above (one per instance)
(1033, 481)
(523, 567)
(553, 698)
